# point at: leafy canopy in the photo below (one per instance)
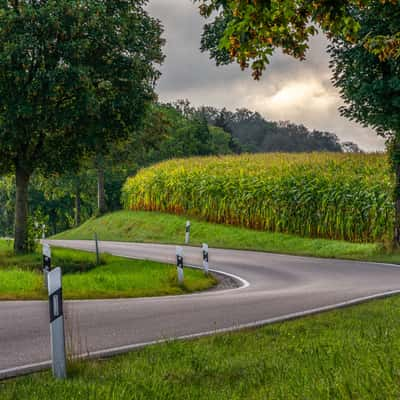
(370, 87)
(71, 70)
(249, 31)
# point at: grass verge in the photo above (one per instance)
(21, 277)
(137, 226)
(351, 353)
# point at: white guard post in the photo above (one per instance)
(96, 242)
(179, 263)
(187, 234)
(46, 261)
(57, 335)
(205, 258)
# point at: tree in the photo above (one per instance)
(350, 147)
(73, 74)
(370, 87)
(250, 31)
(221, 119)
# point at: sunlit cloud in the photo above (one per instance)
(294, 100)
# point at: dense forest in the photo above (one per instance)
(257, 135)
(61, 201)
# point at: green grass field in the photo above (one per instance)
(21, 277)
(352, 353)
(140, 226)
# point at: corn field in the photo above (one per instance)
(335, 196)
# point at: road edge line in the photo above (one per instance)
(37, 367)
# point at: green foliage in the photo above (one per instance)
(319, 195)
(250, 31)
(45, 87)
(186, 132)
(370, 87)
(220, 141)
(7, 205)
(51, 200)
(31, 243)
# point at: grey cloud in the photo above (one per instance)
(188, 73)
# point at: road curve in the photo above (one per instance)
(279, 287)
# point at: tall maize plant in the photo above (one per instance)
(336, 196)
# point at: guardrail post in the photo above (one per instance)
(46, 251)
(187, 234)
(57, 336)
(179, 263)
(97, 249)
(205, 258)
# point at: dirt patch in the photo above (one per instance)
(224, 282)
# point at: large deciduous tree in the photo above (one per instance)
(74, 74)
(249, 31)
(370, 86)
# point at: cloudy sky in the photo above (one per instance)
(290, 90)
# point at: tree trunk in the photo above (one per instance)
(394, 151)
(21, 211)
(77, 205)
(53, 221)
(101, 193)
(396, 238)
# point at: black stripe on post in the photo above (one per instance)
(179, 262)
(56, 305)
(46, 263)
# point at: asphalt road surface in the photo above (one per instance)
(273, 287)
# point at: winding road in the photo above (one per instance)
(272, 288)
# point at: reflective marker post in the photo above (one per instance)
(96, 241)
(46, 261)
(179, 263)
(205, 258)
(57, 336)
(187, 235)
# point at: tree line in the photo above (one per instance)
(254, 134)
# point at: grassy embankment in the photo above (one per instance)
(140, 226)
(21, 277)
(346, 354)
